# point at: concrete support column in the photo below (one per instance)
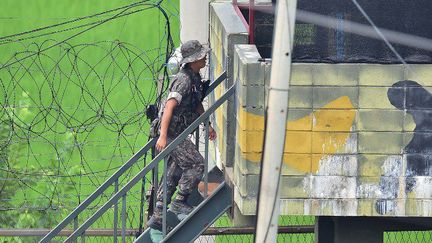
(324, 230)
(348, 230)
(240, 220)
(357, 231)
(194, 20)
(340, 229)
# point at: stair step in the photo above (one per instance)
(202, 216)
(211, 187)
(215, 178)
(199, 220)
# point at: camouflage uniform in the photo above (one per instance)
(185, 163)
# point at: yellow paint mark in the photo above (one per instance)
(302, 161)
(219, 112)
(298, 142)
(250, 141)
(302, 124)
(326, 136)
(249, 121)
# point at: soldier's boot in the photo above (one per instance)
(155, 221)
(179, 206)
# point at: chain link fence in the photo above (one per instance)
(221, 232)
(408, 236)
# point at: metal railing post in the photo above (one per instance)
(75, 226)
(123, 218)
(115, 212)
(197, 138)
(251, 21)
(206, 125)
(164, 212)
(155, 178)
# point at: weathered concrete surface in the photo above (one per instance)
(346, 144)
(226, 30)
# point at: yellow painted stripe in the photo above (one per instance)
(219, 112)
(330, 131)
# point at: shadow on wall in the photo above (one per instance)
(411, 97)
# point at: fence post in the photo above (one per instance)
(115, 211)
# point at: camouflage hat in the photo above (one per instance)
(193, 51)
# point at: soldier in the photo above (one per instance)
(183, 105)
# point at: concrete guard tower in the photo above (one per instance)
(358, 152)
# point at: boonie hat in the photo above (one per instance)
(193, 51)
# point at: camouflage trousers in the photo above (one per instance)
(185, 169)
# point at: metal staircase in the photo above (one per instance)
(202, 216)
(207, 211)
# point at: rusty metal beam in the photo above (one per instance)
(240, 14)
(251, 230)
(64, 232)
(131, 232)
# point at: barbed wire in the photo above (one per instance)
(72, 113)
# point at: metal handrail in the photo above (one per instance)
(215, 204)
(155, 162)
(114, 178)
(98, 191)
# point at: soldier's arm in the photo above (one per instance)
(167, 115)
(179, 88)
(166, 119)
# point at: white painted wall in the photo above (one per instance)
(194, 18)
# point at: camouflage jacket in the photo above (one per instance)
(186, 88)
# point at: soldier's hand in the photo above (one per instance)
(161, 143)
(212, 133)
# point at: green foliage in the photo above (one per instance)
(47, 160)
(11, 152)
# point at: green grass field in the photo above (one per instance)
(74, 98)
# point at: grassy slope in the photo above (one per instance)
(143, 30)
